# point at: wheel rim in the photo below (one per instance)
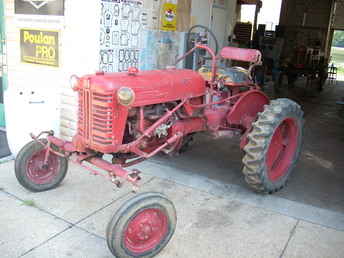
(37, 172)
(146, 230)
(283, 146)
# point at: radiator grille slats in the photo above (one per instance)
(95, 116)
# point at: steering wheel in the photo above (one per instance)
(192, 39)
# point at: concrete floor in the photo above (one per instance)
(218, 216)
(70, 220)
(318, 180)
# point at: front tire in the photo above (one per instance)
(274, 146)
(32, 174)
(142, 227)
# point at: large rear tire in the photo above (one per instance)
(142, 227)
(274, 146)
(31, 172)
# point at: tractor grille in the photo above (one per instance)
(95, 121)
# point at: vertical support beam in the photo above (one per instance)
(256, 18)
(211, 14)
(258, 6)
(184, 15)
(238, 13)
(284, 12)
(329, 28)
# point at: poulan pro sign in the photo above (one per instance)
(39, 47)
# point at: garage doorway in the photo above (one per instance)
(4, 150)
(269, 14)
(337, 53)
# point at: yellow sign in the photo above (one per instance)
(39, 47)
(169, 17)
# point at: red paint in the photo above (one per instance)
(98, 115)
(213, 61)
(63, 145)
(244, 139)
(37, 172)
(145, 231)
(241, 54)
(215, 117)
(282, 149)
(151, 87)
(188, 126)
(114, 170)
(102, 120)
(239, 84)
(245, 110)
(133, 70)
(210, 52)
(189, 108)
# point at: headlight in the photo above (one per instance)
(125, 96)
(74, 81)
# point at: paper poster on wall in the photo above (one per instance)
(39, 47)
(169, 17)
(220, 3)
(121, 25)
(32, 7)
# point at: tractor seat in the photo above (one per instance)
(230, 75)
(234, 76)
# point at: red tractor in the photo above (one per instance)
(136, 114)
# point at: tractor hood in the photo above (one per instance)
(150, 87)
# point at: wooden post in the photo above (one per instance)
(256, 18)
(329, 28)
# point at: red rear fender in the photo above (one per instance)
(245, 110)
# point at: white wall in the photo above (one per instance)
(31, 102)
(200, 12)
(223, 20)
(78, 54)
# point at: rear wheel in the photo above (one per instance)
(273, 146)
(31, 171)
(142, 227)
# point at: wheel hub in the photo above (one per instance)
(146, 230)
(41, 173)
(281, 151)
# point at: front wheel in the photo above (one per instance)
(274, 145)
(142, 227)
(31, 171)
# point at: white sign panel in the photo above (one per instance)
(121, 25)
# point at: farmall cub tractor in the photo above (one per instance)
(136, 114)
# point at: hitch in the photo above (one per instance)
(115, 171)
